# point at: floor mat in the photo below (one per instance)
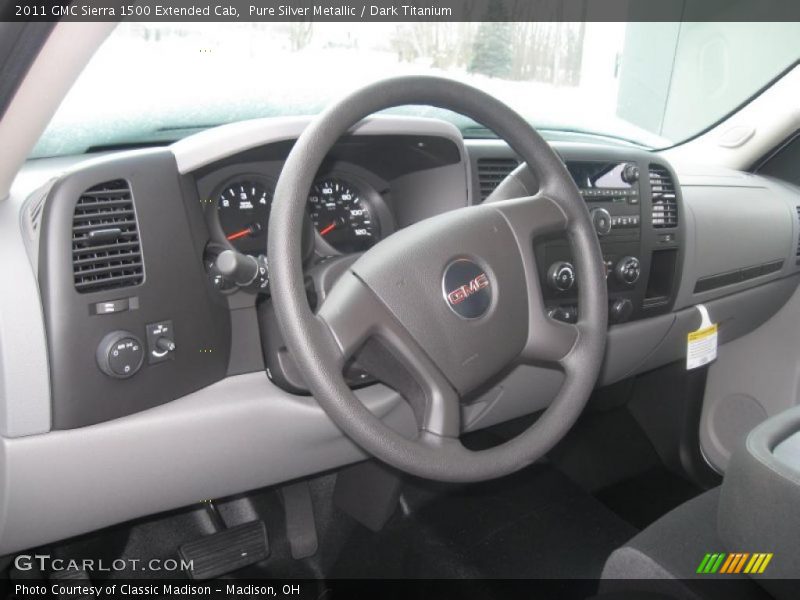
(535, 524)
(641, 500)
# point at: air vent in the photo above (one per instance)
(797, 254)
(491, 171)
(665, 202)
(106, 253)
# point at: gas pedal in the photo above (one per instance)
(226, 551)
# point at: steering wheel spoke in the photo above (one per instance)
(361, 325)
(533, 216)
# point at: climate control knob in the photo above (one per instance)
(561, 276)
(620, 310)
(120, 354)
(601, 219)
(628, 270)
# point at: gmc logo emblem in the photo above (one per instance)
(458, 295)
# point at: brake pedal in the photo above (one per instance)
(226, 551)
(301, 528)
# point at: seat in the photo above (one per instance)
(664, 557)
(754, 511)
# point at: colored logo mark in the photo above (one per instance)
(736, 562)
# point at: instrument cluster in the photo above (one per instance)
(345, 212)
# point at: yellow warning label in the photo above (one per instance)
(701, 334)
(701, 345)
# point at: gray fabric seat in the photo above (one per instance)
(663, 559)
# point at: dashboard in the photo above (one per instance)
(146, 339)
(167, 282)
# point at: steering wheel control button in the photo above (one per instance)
(561, 276)
(467, 289)
(160, 342)
(628, 270)
(601, 219)
(120, 354)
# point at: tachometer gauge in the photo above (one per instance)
(243, 208)
(341, 216)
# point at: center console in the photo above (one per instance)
(634, 206)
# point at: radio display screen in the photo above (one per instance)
(597, 175)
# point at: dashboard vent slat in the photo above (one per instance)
(491, 171)
(665, 200)
(798, 233)
(106, 251)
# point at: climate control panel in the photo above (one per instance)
(622, 273)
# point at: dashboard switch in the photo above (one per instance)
(110, 307)
(120, 354)
(160, 342)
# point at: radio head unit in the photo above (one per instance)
(601, 181)
(602, 175)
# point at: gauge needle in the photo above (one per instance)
(328, 229)
(239, 234)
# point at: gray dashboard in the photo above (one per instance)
(241, 431)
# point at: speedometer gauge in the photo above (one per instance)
(243, 209)
(341, 216)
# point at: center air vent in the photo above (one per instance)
(665, 202)
(106, 253)
(491, 171)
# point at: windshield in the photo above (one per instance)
(653, 84)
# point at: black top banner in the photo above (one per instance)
(399, 11)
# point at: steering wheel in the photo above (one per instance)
(452, 300)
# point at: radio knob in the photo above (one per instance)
(630, 173)
(628, 270)
(601, 219)
(561, 276)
